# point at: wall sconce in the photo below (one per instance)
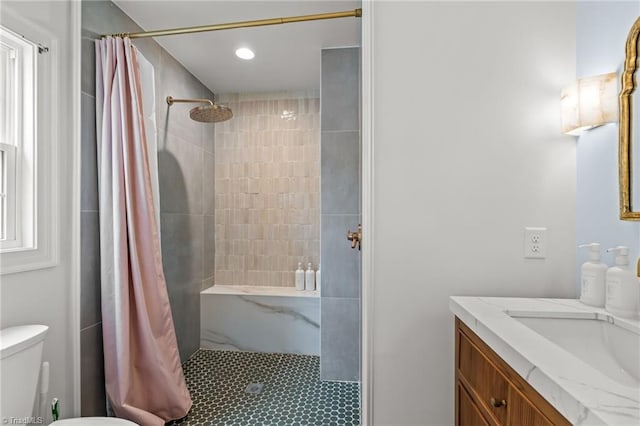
(590, 102)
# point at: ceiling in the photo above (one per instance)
(287, 56)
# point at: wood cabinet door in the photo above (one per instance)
(522, 413)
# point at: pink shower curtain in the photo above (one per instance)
(144, 378)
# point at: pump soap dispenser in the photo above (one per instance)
(592, 277)
(300, 277)
(623, 292)
(309, 277)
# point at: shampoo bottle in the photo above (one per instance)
(622, 286)
(318, 278)
(299, 277)
(592, 277)
(309, 277)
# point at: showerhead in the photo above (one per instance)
(210, 113)
(213, 113)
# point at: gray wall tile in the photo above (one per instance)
(176, 81)
(340, 207)
(185, 307)
(101, 17)
(182, 248)
(93, 398)
(89, 160)
(180, 168)
(340, 339)
(88, 60)
(340, 263)
(340, 88)
(340, 159)
(90, 269)
(104, 17)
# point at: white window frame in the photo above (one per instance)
(35, 236)
(8, 193)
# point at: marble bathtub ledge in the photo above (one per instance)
(240, 290)
(582, 394)
(260, 319)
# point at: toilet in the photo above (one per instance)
(20, 359)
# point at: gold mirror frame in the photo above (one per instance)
(628, 82)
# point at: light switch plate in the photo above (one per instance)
(535, 243)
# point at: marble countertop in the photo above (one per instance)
(582, 394)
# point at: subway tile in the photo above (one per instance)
(340, 165)
(340, 263)
(182, 248)
(209, 246)
(89, 161)
(263, 187)
(340, 84)
(90, 310)
(93, 396)
(208, 186)
(181, 167)
(339, 339)
(208, 137)
(209, 282)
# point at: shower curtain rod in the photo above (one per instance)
(356, 13)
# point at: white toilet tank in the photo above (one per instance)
(20, 359)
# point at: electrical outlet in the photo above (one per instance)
(535, 243)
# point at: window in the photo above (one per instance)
(24, 165)
(17, 140)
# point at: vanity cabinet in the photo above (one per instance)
(489, 392)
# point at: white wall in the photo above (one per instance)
(468, 151)
(45, 296)
(602, 29)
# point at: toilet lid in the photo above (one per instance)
(94, 421)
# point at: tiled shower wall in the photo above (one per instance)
(341, 189)
(186, 165)
(267, 188)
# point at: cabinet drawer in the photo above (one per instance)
(483, 378)
(468, 413)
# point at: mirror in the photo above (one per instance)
(629, 143)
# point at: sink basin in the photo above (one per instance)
(611, 348)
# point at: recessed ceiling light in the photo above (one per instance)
(245, 53)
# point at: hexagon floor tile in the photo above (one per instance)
(292, 393)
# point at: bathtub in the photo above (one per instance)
(260, 319)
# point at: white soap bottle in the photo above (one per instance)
(318, 278)
(592, 277)
(309, 276)
(299, 277)
(622, 286)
